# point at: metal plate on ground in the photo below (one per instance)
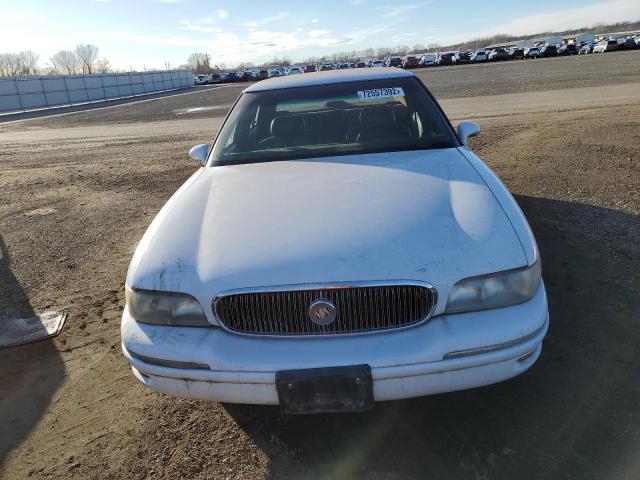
(321, 390)
(17, 331)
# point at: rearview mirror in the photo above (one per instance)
(199, 153)
(466, 130)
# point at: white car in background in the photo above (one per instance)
(533, 52)
(479, 56)
(200, 80)
(339, 245)
(377, 63)
(428, 59)
(606, 46)
(294, 71)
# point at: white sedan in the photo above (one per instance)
(340, 245)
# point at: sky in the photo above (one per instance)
(148, 34)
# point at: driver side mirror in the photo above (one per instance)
(199, 153)
(466, 130)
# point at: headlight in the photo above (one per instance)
(495, 290)
(165, 308)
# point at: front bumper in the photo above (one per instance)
(448, 353)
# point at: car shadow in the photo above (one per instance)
(573, 414)
(29, 374)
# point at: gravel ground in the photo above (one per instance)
(78, 190)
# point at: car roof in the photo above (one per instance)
(328, 77)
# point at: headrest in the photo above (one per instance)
(288, 126)
(400, 113)
(377, 116)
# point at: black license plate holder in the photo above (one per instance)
(321, 390)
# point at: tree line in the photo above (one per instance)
(201, 63)
(84, 59)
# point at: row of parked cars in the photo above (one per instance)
(428, 60)
(514, 53)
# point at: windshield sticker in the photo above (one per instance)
(380, 93)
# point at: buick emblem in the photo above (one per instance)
(322, 312)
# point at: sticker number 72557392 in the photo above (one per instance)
(376, 93)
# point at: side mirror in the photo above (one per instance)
(466, 130)
(199, 153)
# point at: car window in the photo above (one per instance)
(336, 119)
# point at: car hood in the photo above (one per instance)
(420, 215)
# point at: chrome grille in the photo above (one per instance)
(359, 308)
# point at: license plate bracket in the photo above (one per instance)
(321, 390)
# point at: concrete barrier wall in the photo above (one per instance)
(19, 94)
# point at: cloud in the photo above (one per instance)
(356, 3)
(11, 17)
(399, 10)
(411, 37)
(567, 18)
(164, 40)
(205, 24)
(227, 47)
(265, 21)
(360, 36)
(319, 33)
(584, 15)
(314, 20)
(187, 25)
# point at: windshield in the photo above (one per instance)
(337, 119)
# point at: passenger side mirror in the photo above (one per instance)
(199, 153)
(466, 130)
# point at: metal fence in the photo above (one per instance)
(19, 94)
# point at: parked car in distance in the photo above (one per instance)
(200, 80)
(479, 56)
(568, 49)
(232, 77)
(343, 66)
(377, 64)
(628, 44)
(326, 67)
(498, 55)
(516, 53)
(310, 69)
(444, 59)
(462, 57)
(393, 61)
(533, 52)
(361, 65)
(610, 45)
(428, 60)
(410, 61)
(549, 51)
(586, 48)
(262, 74)
(284, 270)
(295, 71)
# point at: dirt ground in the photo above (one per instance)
(77, 191)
